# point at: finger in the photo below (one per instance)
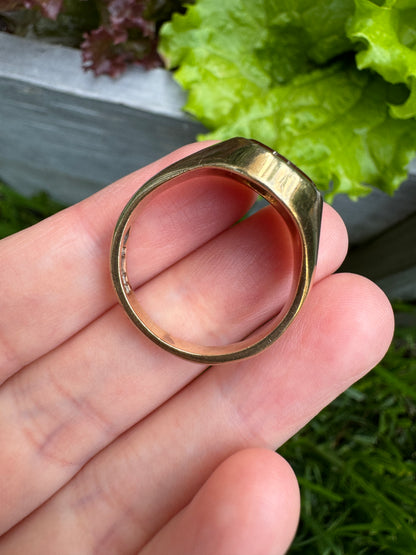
(65, 407)
(57, 277)
(342, 331)
(249, 506)
(333, 244)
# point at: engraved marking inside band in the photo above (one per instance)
(168, 339)
(125, 282)
(124, 277)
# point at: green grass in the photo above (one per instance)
(356, 461)
(18, 212)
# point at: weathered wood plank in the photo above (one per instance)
(71, 134)
(371, 215)
(389, 259)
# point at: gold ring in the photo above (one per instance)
(287, 189)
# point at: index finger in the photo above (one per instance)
(55, 276)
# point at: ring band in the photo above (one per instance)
(286, 188)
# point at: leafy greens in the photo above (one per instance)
(324, 83)
(112, 34)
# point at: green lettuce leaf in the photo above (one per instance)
(281, 73)
(333, 123)
(234, 51)
(387, 35)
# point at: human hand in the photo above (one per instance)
(110, 445)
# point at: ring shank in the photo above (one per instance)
(286, 189)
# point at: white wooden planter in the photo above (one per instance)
(69, 133)
(64, 131)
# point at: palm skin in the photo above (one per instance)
(110, 445)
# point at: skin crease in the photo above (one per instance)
(112, 446)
